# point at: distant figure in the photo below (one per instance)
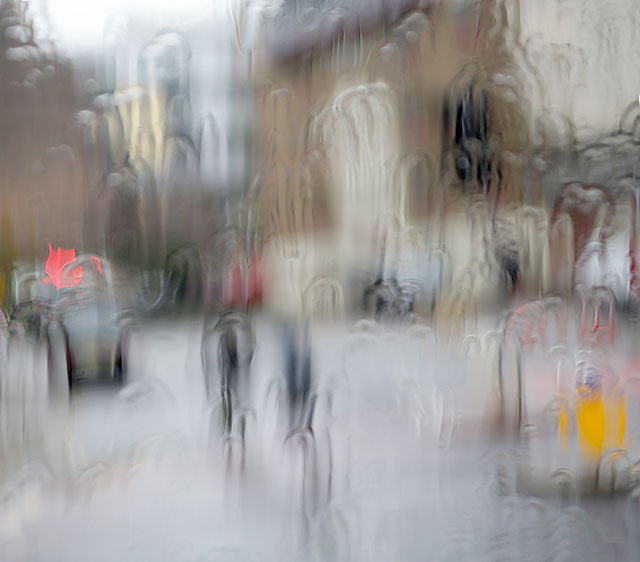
(297, 356)
(388, 300)
(185, 278)
(507, 256)
(470, 129)
(232, 342)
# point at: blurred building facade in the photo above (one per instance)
(355, 123)
(129, 150)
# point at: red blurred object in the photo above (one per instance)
(95, 260)
(584, 203)
(55, 269)
(242, 289)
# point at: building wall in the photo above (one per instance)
(354, 131)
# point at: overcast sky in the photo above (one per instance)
(77, 26)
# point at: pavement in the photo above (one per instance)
(143, 473)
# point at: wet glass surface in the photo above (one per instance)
(319, 280)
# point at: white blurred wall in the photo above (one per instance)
(584, 57)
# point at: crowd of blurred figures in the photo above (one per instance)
(394, 172)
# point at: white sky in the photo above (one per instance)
(78, 25)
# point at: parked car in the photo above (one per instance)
(74, 305)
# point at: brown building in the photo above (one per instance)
(354, 138)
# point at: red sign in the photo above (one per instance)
(56, 272)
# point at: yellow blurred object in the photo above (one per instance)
(616, 410)
(600, 420)
(590, 421)
(563, 424)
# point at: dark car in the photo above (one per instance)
(80, 320)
